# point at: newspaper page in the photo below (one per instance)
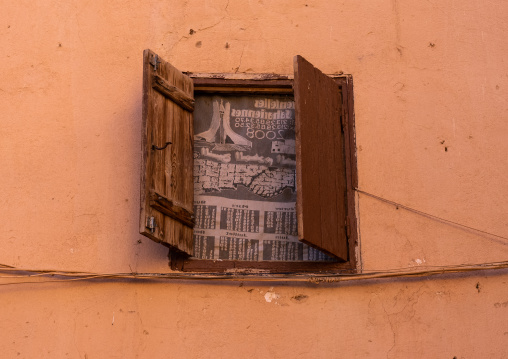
(245, 180)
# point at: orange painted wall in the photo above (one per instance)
(431, 103)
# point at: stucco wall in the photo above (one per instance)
(431, 89)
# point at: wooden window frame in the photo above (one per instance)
(279, 84)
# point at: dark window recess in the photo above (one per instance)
(323, 152)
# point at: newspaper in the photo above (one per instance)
(245, 180)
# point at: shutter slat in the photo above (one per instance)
(174, 93)
(167, 191)
(321, 169)
(172, 209)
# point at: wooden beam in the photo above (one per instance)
(175, 94)
(169, 208)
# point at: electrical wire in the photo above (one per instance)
(419, 271)
(398, 205)
(256, 277)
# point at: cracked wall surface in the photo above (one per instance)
(431, 100)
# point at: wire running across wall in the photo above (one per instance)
(428, 215)
(51, 276)
(408, 272)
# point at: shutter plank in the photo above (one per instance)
(173, 93)
(321, 170)
(167, 191)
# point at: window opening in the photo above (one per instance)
(245, 179)
(196, 127)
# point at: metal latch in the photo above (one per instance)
(154, 61)
(150, 224)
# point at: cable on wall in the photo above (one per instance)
(408, 272)
(7, 271)
(398, 205)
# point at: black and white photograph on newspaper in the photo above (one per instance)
(245, 179)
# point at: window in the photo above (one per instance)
(325, 160)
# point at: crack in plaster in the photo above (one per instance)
(241, 57)
(399, 316)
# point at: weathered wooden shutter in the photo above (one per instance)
(320, 170)
(167, 192)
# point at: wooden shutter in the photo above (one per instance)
(167, 192)
(320, 170)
